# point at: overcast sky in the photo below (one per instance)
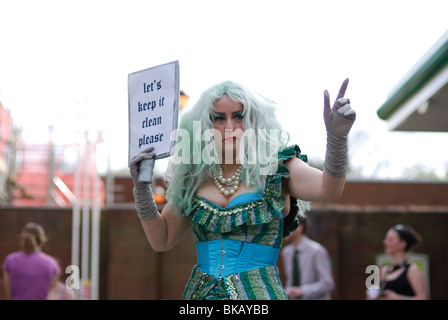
(66, 63)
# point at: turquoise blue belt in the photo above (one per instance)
(223, 257)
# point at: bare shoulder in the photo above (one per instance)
(297, 167)
(294, 161)
(414, 269)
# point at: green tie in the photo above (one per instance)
(295, 269)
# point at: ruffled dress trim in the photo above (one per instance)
(217, 219)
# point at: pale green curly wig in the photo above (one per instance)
(184, 177)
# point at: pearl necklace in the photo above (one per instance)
(231, 184)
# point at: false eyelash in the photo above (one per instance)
(216, 118)
(238, 114)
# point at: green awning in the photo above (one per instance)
(427, 72)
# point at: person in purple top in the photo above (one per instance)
(29, 274)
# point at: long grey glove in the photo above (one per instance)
(144, 202)
(338, 121)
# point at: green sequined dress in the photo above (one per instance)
(258, 225)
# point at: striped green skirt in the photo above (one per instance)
(255, 284)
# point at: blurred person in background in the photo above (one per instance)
(29, 274)
(306, 264)
(403, 280)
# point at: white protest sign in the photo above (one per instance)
(153, 109)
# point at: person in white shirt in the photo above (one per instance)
(314, 280)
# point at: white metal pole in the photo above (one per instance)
(76, 214)
(95, 233)
(85, 219)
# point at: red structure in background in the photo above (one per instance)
(45, 177)
(36, 175)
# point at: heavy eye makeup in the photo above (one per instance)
(218, 116)
(238, 115)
